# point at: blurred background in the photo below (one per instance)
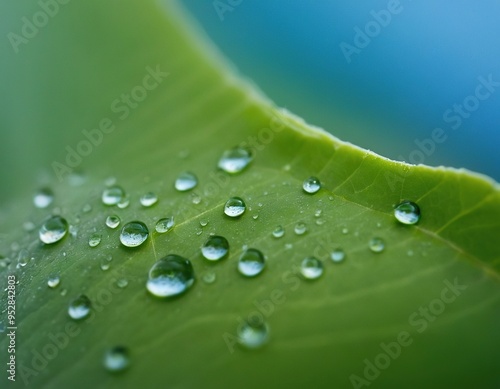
(377, 74)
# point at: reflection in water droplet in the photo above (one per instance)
(311, 268)
(113, 221)
(94, 240)
(112, 195)
(311, 185)
(116, 359)
(234, 207)
(300, 228)
(43, 198)
(337, 255)
(53, 230)
(164, 225)
(376, 245)
(279, 232)
(407, 212)
(235, 160)
(215, 248)
(253, 333)
(170, 276)
(79, 308)
(53, 282)
(186, 181)
(148, 199)
(251, 263)
(134, 234)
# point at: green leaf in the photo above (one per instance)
(434, 288)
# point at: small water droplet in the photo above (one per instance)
(164, 225)
(28, 226)
(345, 230)
(337, 255)
(148, 199)
(311, 185)
(376, 245)
(134, 234)
(63, 292)
(87, 208)
(186, 181)
(195, 198)
(215, 248)
(94, 240)
(253, 333)
(311, 268)
(318, 213)
(235, 160)
(203, 223)
(320, 222)
(255, 217)
(53, 282)
(251, 263)
(113, 221)
(122, 283)
(234, 207)
(170, 276)
(410, 253)
(300, 228)
(79, 308)
(53, 230)
(112, 195)
(116, 359)
(407, 212)
(124, 203)
(209, 277)
(279, 232)
(43, 198)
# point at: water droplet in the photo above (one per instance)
(255, 217)
(87, 208)
(407, 212)
(43, 198)
(170, 276)
(279, 232)
(410, 253)
(251, 263)
(149, 199)
(311, 268)
(311, 185)
(337, 255)
(134, 234)
(320, 222)
(300, 228)
(124, 203)
(116, 359)
(22, 258)
(2, 327)
(203, 223)
(318, 213)
(63, 292)
(164, 225)
(215, 248)
(195, 199)
(122, 283)
(234, 207)
(235, 160)
(79, 308)
(186, 181)
(28, 226)
(112, 195)
(376, 245)
(94, 240)
(53, 230)
(53, 282)
(113, 221)
(253, 333)
(209, 277)
(345, 231)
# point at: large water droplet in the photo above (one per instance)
(113, 221)
(311, 268)
(164, 225)
(43, 198)
(94, 240)
(116, 359)
(170, 276)
(186, 181)
(376, 245)
(251, 263)
(235, 160)
(134, 234)
(300, 228)
(53, 230)
(234, 207)
(279, 232)
(253, 333)
(407, 212)
(53, 282)
(148, 199)
(112, 195)
(337, 255)
(311, 185)
(79, 308)
(215, 248)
